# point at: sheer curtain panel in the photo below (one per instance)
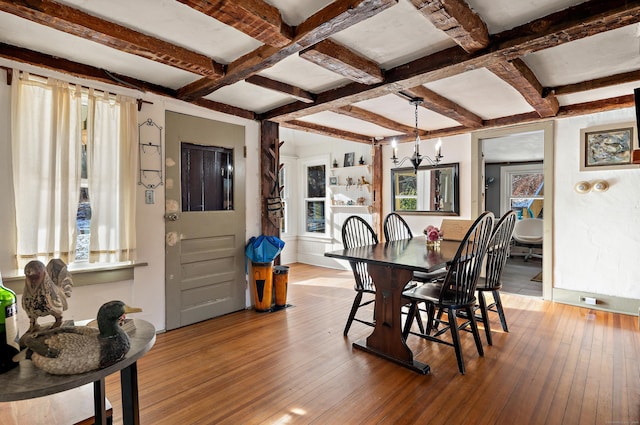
(112, 164)
(45, 128)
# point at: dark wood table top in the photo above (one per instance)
(411, 254)
(27, 381)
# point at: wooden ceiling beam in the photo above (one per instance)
(457, 20)
(445, 107)
(89, 27)
(598, 83)
(342, 61)
(519, 76)
(325, 131)
(293, 91)
(373, 118)
(88, 72)
(254, 18)
(335, 17)
(575, 23)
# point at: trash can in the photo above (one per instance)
(262, 285)
(280, 282)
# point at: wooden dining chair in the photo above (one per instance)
(357, 232)
(396, 228)
(496, 258)
(457, 292)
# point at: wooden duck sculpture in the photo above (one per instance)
(46, 291)
(70, 350)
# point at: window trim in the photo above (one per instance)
(506, 174)
(321, 160)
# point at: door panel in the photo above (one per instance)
(205, 274)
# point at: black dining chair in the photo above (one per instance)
(396, 228)
(456, 292)
(496, 258)
(357, 232)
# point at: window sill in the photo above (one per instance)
(83, 274)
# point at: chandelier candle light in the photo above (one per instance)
(416, 158)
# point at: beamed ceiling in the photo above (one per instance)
(345, 68)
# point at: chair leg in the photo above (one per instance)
(474, 329)
(498, 302)
(484, 314)
(413, 310)
(352, 314)
(455, 336)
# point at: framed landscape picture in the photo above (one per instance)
(607, 147)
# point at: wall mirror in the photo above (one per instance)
(431, 190)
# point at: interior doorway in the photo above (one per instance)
(514, 171)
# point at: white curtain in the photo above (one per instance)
(112, 163)
(45, 130)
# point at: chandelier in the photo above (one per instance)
(416, 158)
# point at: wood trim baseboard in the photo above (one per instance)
(630, 306)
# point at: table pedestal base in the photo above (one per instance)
(414, 365)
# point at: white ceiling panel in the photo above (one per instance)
(604, 54)
(301, 73)
(174, 22)
(250, 97)
(22, 33)
(518, 147)
(483, 93)
(396, 36)
(295, 12)
(343, 122)
(501, 15)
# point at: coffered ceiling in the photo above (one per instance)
(345, 68)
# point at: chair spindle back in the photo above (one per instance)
(498, 250)
(357, 232)
(395, 228)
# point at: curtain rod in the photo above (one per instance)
(139, 101)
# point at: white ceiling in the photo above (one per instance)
(392, 38)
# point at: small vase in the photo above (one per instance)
(433, 244)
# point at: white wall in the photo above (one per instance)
(454, 149)
(147, 289)
(597, 235)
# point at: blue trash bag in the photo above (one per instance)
(263, 249)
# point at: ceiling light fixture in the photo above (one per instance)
(416, 158)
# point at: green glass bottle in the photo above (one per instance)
(9, 345)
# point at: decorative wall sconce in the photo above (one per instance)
(596, 186)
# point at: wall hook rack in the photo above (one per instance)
(150, 154)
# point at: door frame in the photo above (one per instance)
(478, 187)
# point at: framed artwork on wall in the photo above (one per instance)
(333, 181)
(349, 159)
(607, 147)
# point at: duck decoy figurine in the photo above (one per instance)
(46, 291)
(69, 350)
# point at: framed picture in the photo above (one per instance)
(349, 159)
(607, 147)
(333, 181)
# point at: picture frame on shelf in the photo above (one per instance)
(333, 181)
(607, 147)
(349, 159)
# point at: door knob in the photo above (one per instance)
(172, 217)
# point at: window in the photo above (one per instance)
(315, 198)
(207, 178)
(523, 190)
(78, 204)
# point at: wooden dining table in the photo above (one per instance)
(391, 266)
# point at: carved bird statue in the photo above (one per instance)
(69, 350)
(46, 291)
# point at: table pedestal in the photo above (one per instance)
(387, 340)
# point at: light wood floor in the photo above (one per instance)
(558, 365)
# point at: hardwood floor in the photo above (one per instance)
(558, 365)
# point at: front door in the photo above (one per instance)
(204, 219)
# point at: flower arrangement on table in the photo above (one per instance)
(433, 235)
